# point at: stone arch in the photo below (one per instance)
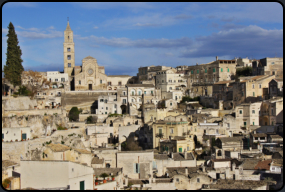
(139, 92)
(115, 88)
(109, 88)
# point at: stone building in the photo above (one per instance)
(89, 76)
(268, 66)
(171, 83)
(271, 111)
(177, 144)
(136, 164)
(275, 88)
(247, 114)
(170, 126)
(57, 175)
(202, 77)
(58, 80)
(251, 89)
(149, 73)
(16, 133)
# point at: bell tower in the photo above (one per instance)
(68, 51)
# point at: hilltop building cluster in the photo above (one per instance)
(187, 127)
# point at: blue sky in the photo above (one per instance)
(125, 36)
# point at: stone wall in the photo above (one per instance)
(14, 150)
(18, 103)
(40, 125)
(21, 112)
(80, 99)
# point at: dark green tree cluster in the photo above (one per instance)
(74, 114)
(23, 91)
(13, 68)
(187, 98)
(245, 71)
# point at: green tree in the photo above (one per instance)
(13, 68)
(74, 114)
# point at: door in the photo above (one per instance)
(180, 150)
(82, 187)
(90, 86)
(24, 136)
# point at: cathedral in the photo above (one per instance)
(89, 76)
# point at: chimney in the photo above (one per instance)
(236, 174)
(153, 180)
(185, 154)
(233, 167)
(254, 132)
(217, 58)
(150, 178)
(119, 147)
(172, 155)
(250, 148)
(203, 168)
(227, 172)
(126, 180)
(186, 171)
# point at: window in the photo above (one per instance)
(170, 81)
(124, 101)
(205, 70)
(160, 131)
(244, 123)
(272, 112)
(228, 125)
(115, 106)
(259, 86)
(253, 111)
(253, 123)
(79, 82)
(228, 70)
(170, 88)
(240, 111)
(139, 92)
(221, 69)
(192, 72)
(109, 83)
(120, 83)
(253, 94)
(170, 104)
(242, 94)
(101, 100)
(177, 179)
(62, 79)
(68, 37)
(106, 108)
(68, 49)
(157, 81)
(68, 57)
(256, 138)
(214, 70)
(253, 86)
(105, 113)
(197, 71)
(56, 79)
(162, 81)
(171, 131)
(69, 64)
(272, 63)
(100, 81)
(144, 92)
(198, 180)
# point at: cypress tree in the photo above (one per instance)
(13, 68)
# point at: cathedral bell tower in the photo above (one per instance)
(68, 51)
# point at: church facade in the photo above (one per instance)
(88, 76)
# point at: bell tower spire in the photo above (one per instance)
(68, 50)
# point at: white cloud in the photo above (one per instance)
(145, 24)
(108, 5)
(95, 27)
(21, 4)
(140, 43)
(252, 40)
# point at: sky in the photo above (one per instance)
(126, 36)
